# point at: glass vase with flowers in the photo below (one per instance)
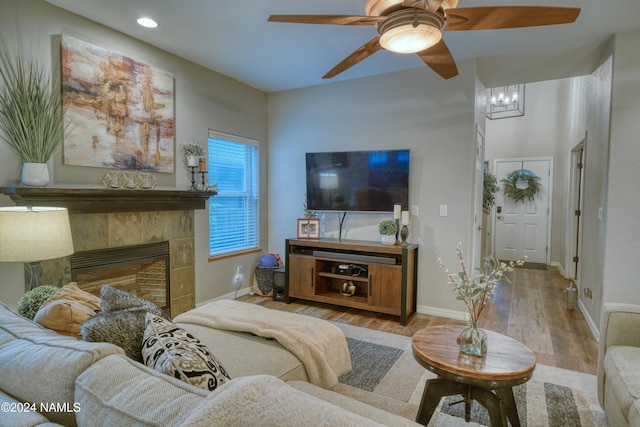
(475, 290)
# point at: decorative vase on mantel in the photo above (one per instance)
(35, 174)
(473, 340)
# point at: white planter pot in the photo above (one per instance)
(388, 239)
(192, 160)
(35, 174)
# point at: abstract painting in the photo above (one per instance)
(121, 110)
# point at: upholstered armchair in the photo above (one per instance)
(619, 364)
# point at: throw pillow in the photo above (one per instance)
(64, 317)
(121, 321)
(172, 350)
(114, 299)
(72, 292)
(124, 328)
(66, 309)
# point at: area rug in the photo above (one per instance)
(387, 376)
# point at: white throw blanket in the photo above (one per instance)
(320, 345)
(263, 400)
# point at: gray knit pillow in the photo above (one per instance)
(173, 351)
(124, 328)
(121, 321)
(114, 299)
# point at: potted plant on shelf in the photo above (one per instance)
(192, 151)
(32, 118)
(388, 230)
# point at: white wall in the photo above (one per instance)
(413, 109)
(622, 247)
(203, 100)
(597, 166)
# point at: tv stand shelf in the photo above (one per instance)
(385, 277)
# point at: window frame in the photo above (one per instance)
(255, 190)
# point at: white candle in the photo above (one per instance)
(396, 211)
(405, 217)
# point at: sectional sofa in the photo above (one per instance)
(50, 379)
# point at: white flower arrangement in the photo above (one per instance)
(192, 149)
(476, 290)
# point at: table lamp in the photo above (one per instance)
(31, 234)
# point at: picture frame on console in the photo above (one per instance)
(308, 228)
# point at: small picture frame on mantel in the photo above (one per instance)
(308, 228)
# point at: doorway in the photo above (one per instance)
(574, 214)
(523, 227)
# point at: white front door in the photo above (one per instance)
(522, 228)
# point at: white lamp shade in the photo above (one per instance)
(34, 233)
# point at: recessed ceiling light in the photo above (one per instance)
(147, 22)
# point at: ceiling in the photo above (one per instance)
(234, 38)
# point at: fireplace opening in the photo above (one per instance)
(142, 270)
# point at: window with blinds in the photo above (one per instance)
(233, 212)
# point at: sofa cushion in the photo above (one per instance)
(27, 350)
(121, 321)
(634, 414)
(118, 391)
(243, 354)
(263, 400)
(622, 371)
(22, 418)
(378, 415)
(173, 351)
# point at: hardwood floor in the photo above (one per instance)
(530, 309)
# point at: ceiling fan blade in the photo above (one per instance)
(362, 53)
(490, 18)
(440, 60)
(430, 5)
(327, 19)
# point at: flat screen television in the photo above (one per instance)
(369, 181)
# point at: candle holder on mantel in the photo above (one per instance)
(193, 177)
(397, 229)
(202, 180)
(404, 233)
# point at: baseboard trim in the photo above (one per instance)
(557, 265)
(441, 312)
(593, 327)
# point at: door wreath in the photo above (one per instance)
(521, 184)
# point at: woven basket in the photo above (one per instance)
(263, 280)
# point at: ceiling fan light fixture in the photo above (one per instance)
(410, 31)
(410, 39)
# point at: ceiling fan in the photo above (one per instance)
(414, 26)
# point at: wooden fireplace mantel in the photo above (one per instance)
(93, 200)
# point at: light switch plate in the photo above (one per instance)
(443, 210)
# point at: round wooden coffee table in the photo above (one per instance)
(488, 379)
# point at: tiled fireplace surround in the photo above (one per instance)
(131, 223)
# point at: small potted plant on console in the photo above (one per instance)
(388, 230)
